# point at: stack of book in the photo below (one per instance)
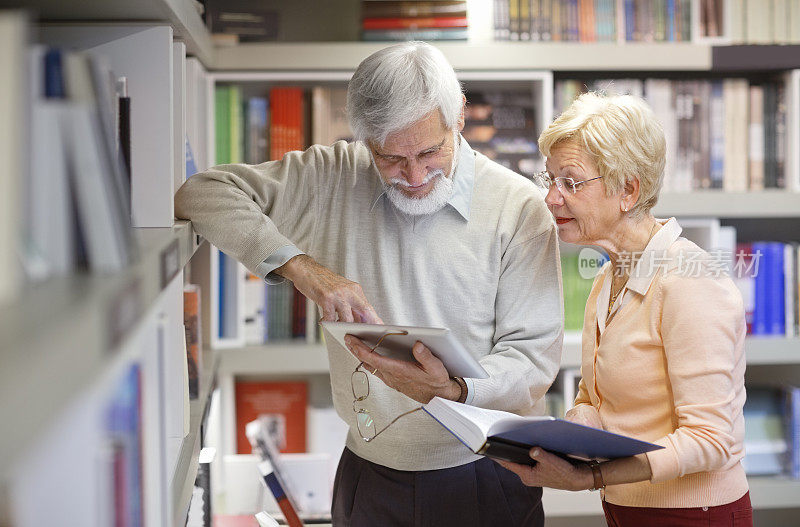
(413, 20)
(729, 134)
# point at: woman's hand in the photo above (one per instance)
(585, 414)
(551, 471)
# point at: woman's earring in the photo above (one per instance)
(624, 209)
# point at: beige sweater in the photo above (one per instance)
(486, 266)
(668, 367)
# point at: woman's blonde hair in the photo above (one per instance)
(623, 136)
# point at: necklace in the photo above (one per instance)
(613, 296)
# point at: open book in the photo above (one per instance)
(507, 436)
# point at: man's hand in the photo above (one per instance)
(339, 298)
(551, 471)
(422, 381)
(585, 414)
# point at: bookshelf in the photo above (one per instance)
(89, 319)
(95, 324)
(181, 15)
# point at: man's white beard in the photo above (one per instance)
(434, 200)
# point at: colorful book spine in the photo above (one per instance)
(273, 484)
(421, 34)
(414, 23)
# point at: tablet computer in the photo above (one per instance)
(440, 341)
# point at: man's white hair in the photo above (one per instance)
(399, 85)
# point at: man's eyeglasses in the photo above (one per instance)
(544, 180)
(359, 382)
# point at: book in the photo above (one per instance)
(249, 20)
(764, 437)
(507, 436)
(414, 23)
(262, 439)
(282, 404)
(13, 39)
(382, 8)
(123, 428)
(194, 337)
(379, 35)
(792, 426)
(502, 126)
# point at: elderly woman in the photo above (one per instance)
(663, 339)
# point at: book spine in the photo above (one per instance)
(422, 34)
(507, 452)
(414, 23)
(378, 9)
(273, 484)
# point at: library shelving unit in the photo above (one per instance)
(770, 360)
(70, 343)
(64, 343)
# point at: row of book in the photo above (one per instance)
(767, 275)
(772, 431)
(77, 208)
(276, 312)
(726, 22)
(501, 124)
(728, 134)
(593, 20)
(748, 22)
(413, 20)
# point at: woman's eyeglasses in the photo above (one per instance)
(544, 180)
(359, 382)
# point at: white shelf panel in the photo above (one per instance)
(469, 56)
(66, 332)
(185, 473)
(309, 359)
(710, 203)
(765, 493)
(180, 14)
(759, 351)
(290, 358)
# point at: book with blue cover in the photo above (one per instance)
(510, 437)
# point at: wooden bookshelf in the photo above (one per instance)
(76, 324)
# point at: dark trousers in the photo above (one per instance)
(480, 494)
(736, 514)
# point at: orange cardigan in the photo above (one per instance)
(668, 367)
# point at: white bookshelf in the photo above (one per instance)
(290, 358)
(182, 478)
(181, 15)
(76, 324)
(709, 203)
(761, 351)
(296, 358)
(474, 56)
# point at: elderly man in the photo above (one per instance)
(410, 226)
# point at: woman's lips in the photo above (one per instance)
(561, 221)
